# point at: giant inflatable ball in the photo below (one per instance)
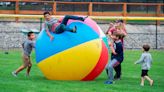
(73, 56)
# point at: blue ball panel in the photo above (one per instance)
(46, 48)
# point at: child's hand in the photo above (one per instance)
(114, 53)
(51, 38)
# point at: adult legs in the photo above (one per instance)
(118, 71)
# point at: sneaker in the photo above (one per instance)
(108, 82)
(14, 74)
(151, 83)
(117, 78)
(142, 85)
(74, 29)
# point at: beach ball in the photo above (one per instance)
(73, 56)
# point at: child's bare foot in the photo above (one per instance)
(151, 83)
(85, 17)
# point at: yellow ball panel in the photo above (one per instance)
(74, 63)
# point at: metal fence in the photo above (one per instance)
(11, 36)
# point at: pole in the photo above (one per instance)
(147, 10)
(17, 9)
(156, 34)
(40, 24)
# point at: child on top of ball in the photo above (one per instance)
(27, 45)
(146, 61)
(53, 25)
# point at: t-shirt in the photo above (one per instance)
(113, 29)
(119, 50)
(51, 24)
(145, 60)
(27, 46)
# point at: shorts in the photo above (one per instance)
(144, 73)
(26, 60)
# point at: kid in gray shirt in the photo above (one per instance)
(28, 45)
(145, 61)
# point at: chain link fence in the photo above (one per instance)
(11, 36)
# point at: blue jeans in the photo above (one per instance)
(110, 67)
(67, 17)
(63, 26)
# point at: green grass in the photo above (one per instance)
(37, 83)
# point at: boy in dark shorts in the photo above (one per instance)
(145, 61)
(28, 45)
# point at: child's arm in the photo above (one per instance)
(112, 48)
(48, 33)
(23, 45)
(151, 61)
(140, 60)
(124, 29)
(110, 26)
(33, 44)
(110, 30)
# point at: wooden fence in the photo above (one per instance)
(57, 8)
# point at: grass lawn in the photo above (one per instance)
(130, 81)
